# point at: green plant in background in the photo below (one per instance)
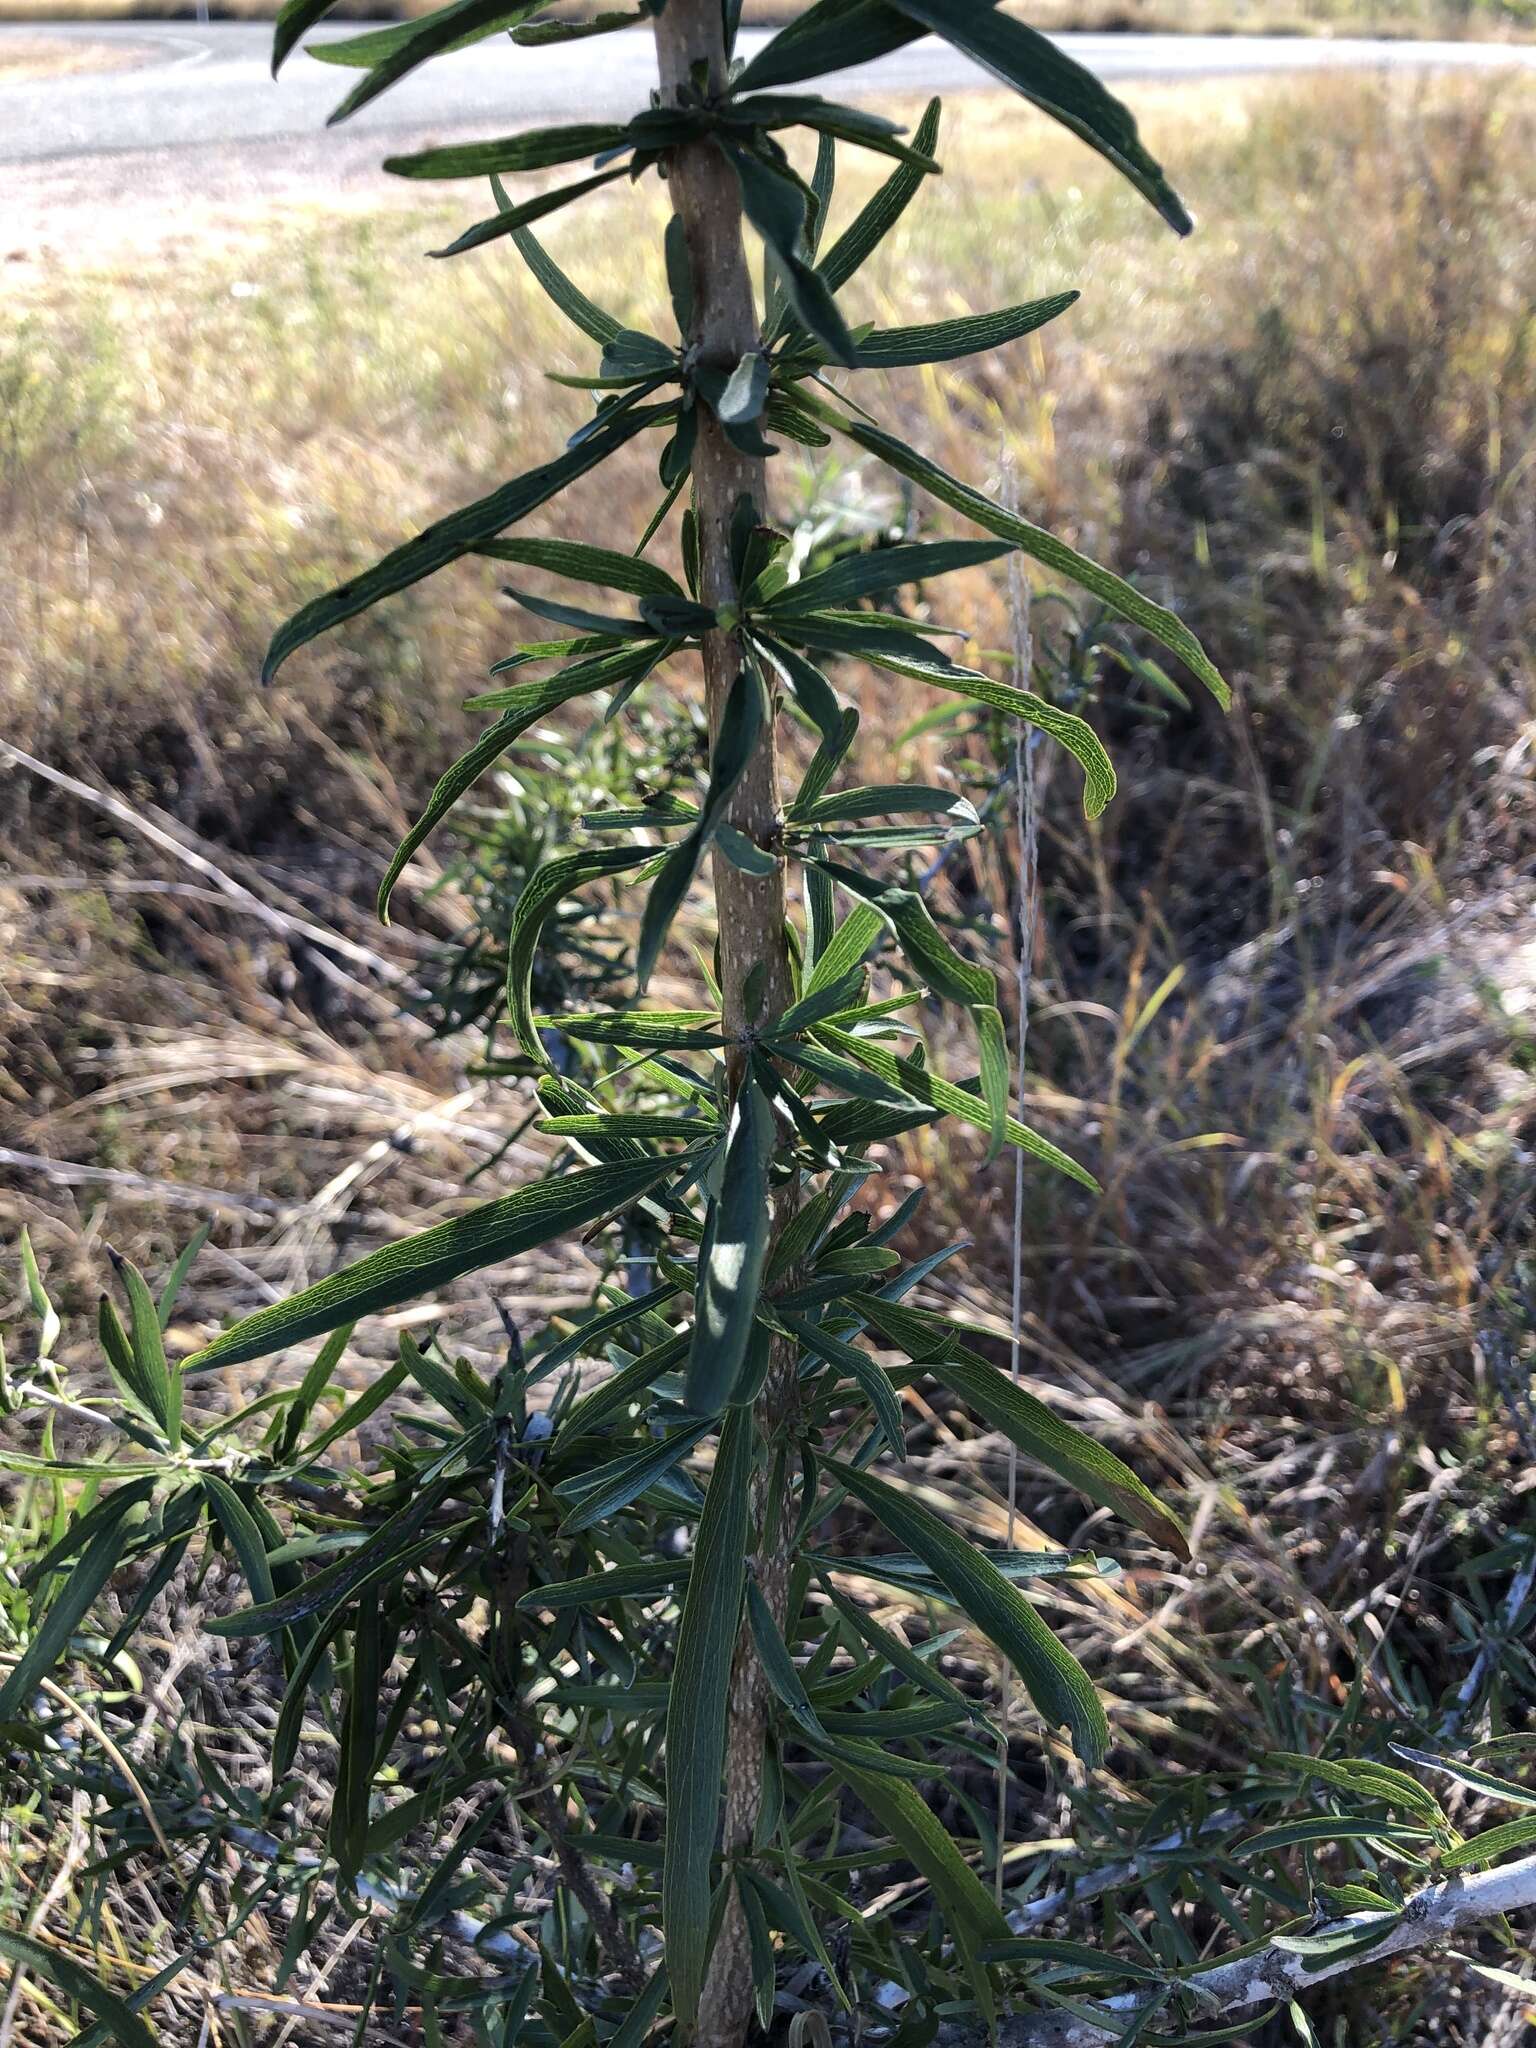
(551, 788)
(616, 1601)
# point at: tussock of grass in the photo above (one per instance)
(1283, 991)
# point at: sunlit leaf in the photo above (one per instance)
(732, 1256)
(417, 1266)
(696, 1714)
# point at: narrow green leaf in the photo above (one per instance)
(816, 1009)
(843, 1074)
(894, 1724)
(1055, 1681)
(73, 1468)
(866, 1373)
(82, 1528)
(1483, 1782)
(454, 536)
(37, 1297)
(1054, 82)
(392, 1548)
(811, 690)
(293, 18)
(176, 1279)
(881, 213)
(849, 947)
(352, 1414)
(823, 183)
(603, 567)
(534, 149)
(380, 45)
(1081, 1955)
(873, 573)
(1019, 1567)
(620, 1582)
(949, 1100)
(741, 727)
(668, 1030)
(992, 1049)
(535, 34)
(732, 1256)
(348, 1836)
(832, 35)
(900, 1655)
(932, 958)
(602, 626)
(417, 1266)
(606, 1489)
(1366, 1779)
(1328, 1827)
(970, 1912)
(245, 1538)
(1074, 1456)
(315, 1382)
(778, 1666)
(945, 341)
(1111, 590)
(443, 1386)
(134, 1383)
(1356, 1937)
(1489, 1847)
(601, 327)
(147, 1339)
(72, 1603)
(510, 219)
(1065, 727)
(696, 1710)
(775, 205)
(67, 1977)
(626, 1124)
(453, 27)
(545, 889)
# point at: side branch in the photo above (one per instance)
(1250, 1983)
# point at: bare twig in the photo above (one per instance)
(1251, 1983)
(176, 1194)
(236, 893)
(1051, 1905)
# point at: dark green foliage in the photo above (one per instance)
(555, 1568)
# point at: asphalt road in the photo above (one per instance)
(202, 87)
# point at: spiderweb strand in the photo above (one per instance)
(1026, 837)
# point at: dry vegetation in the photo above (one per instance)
(1283, 1001)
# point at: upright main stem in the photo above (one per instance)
(706, 198)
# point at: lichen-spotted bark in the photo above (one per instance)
(750, 908)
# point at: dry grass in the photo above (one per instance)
(1283, 997)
